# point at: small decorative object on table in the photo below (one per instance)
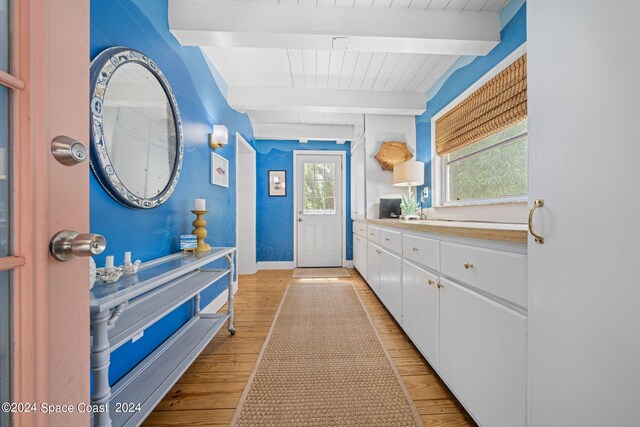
(109, 273)
(200, 231)
(408, 174)
(92, 272)
(188, 242)
(129, 268)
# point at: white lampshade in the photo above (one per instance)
(408, 174)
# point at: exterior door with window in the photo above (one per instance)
(44, 303)
(319, 210)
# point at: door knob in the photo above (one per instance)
(68, 151)
(299, 219)
(67, 243)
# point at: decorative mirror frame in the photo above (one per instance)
(102, 68)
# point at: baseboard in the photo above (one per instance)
(219, 301)
(276, 265)
(347, 264)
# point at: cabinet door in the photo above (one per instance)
(362, 255)
(420, 309)
(391, 283)
(373, 267)
(483, 355)
(356, 252)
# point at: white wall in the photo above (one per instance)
(379, 129)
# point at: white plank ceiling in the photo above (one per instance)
(348, 70)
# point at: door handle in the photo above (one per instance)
(299, 219)
(68, 243)
(537, 204)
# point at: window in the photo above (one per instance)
(493, 168)
(319, 189)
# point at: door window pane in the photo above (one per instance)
(4, 170)
(319, 189)
(4, 35)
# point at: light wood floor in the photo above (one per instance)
(207, 394)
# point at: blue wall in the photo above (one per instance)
(143, 25)
(512, 35)
(274, 228)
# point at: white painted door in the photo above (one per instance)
(319, 211)
(483, 349)
(420, 309)
(584, 299)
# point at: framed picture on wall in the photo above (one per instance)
(219, 170)
(277, 183)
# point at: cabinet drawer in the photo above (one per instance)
(373, 234)
(360, 229)
(503, 274)
(422, 250)
(391, 240)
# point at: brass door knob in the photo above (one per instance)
(468, 265)
(430, 282)
(415, 249)
(440, 285)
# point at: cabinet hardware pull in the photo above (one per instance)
(537, 204)
(372, 234)
(468, 265)
(378, 251)
(415, 249)
(440, 286)
(431, 282)
(387, 239)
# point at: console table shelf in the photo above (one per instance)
(123, 309)
(149, 308)
(148, 382)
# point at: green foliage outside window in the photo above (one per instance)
(498, 171)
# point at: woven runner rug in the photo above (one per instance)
(323, 364)
(322, 273)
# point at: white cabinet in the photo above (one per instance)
(420, 309)
(358, 182)
(391, 283)
(374, 254)
(360, 255)
(482, 355)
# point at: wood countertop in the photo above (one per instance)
(514, 233)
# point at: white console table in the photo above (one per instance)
(121, 310)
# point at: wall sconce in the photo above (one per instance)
(219, 137)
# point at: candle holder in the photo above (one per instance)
(200, 231)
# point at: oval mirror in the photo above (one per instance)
(136, 133)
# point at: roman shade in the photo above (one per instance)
(496, 105)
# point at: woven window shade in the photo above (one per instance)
(496, 105)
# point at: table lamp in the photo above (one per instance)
(409, 174)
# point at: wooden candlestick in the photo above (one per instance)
(200, 231)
